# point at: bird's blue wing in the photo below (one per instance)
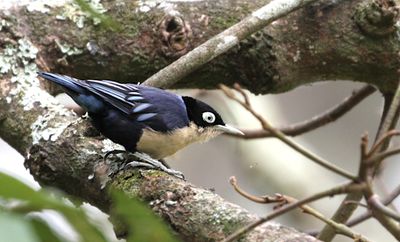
(159, 110)
(169, 107)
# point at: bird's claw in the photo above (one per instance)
(172, 172)
(149, 162)
(175, 173)
(112, 152)
(155, 164)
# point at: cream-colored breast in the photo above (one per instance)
(159, 145)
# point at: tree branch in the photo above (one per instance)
(279, 135)
(347, 188)
(378, 205)
(340, 228)
(386, 201)
(269, 61)
(281, 200)
(224, 41)
(318, 121)
(64, 151)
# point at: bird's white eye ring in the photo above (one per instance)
(209, 117)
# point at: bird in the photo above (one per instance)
(150, 122)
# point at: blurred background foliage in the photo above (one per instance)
(20, 220)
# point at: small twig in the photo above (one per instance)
(357, 203)
(366, 215)
(366, 176)
(341, 215)
(389, 119)
(320, 120)
(389, 122)
(381, 156)
(239, 89)
(222, 42)
(340, 228)
(388, 200)
(379, 182)
(266, 126)
(345, 210)
(380, 214)
(375, 203)
(264, 199)
(381, 141)
(284, 199)
(331, 192)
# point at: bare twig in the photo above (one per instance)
(264, 199)
(389, 199)
(381, 141)
(340, 228)
(357, 203)
(383, 155)
(380, 214)
(344, 212)
(284, 199)
(318, 121)
(223, 42)
(341, 215)
(266, 126)
(375, 203)
(380, 184)
(366, 171)
(390, 122)
(391, 118)
(284, 209)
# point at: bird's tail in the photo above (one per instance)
(77, 90)
(69, 83)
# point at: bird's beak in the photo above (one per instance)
(229, 129)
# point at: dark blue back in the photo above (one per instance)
(121, 111)
(170, 108)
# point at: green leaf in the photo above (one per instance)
(12, 188)
(143, 224)
(15, 228)
(43, 230)
(79, 221)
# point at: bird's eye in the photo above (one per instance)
(209, 117)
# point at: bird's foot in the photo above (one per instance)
(139, 164)
(113, 152)
(154, 164)
(149, 162)
(175, 173)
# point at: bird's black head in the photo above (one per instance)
(206, 117)
(201, 113)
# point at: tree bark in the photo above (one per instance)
(347, 40)
(65, 151)
(327, 40)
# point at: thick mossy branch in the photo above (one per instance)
(196, 214)
(65, 152)
(326, 40)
